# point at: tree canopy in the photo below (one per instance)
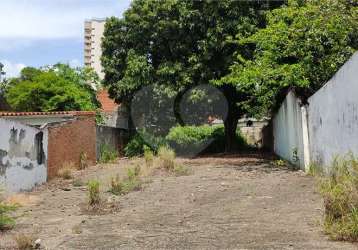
(55, 88)
(302, 46)
(178, 44)
(250, 50)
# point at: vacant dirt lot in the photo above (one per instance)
(232, 203)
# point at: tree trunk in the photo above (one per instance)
(231, 120)
(230, 125)
(131, 127)
(176, 107)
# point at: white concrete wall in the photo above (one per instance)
(333, 115)
(19, 168)
(287, 131)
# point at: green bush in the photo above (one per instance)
(200, 139)
(141, 141)
(340, 193)
(107, 154)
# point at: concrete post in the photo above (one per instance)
(305, 138)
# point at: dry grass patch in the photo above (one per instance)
(66, 171)
(25, 241)
(340, 193)
(83, 161)
(22, 199)
(167, 161)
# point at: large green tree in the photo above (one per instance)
(55, 88)
(178, 44)
(302, 46)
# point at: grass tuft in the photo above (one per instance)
(107, 154)
(167, 158)
(6, 220)
(65, 172)
(131, 182)
(94, 197)
(340, 193)
(24, 241)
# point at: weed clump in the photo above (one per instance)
(107, 154)
(65, 172)
(167, 158)
(94, 197)
(83, 160)
(6, 220)
(25, 242)
(148, 157)
(340, 193)
(131, 182)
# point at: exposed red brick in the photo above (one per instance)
(108, 104)
(66, 142)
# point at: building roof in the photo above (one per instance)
(43, 119)
(59, 113)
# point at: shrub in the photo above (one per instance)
(107, 154)
(143, 141)
(340, 193)
(65, 172)
(93, 193)
(200, 139)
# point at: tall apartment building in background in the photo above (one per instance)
(94, 29)
(114, 117)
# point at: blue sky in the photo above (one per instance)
(43, 32)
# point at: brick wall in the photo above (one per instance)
(66, 142)
(108, 104)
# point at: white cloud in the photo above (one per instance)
(12, 69)
(26, 20)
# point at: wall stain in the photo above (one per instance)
(17, 149)
(3, 165)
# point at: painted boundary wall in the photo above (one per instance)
(287, 131)
(333, 116)
(326, 127)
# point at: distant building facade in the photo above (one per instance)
(94, 29)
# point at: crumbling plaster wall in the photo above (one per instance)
(23, 156)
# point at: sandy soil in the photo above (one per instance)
(239, 202)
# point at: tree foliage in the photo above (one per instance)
(178, 44)
(56, 88)
(302, 46)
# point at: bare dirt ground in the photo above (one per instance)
(226, 203)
